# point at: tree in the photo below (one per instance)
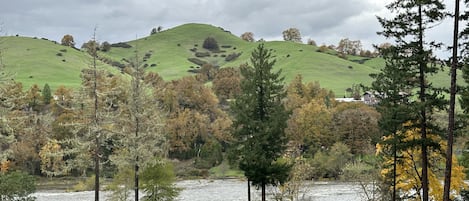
(105, 46)
(412, 51)
(153, 31)
(46, 94)
(357, 127)
(17, 186)
(451, 111)
(349, 47)
(158, 182)
(259, 122)
(210, 44)
(292, 34)
(409, 170)
(67, 40)
(312, 42)
(140, 125)
(248, 36)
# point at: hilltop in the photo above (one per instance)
(169, 53)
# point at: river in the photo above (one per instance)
(225, 190)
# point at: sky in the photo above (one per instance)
(324, 21)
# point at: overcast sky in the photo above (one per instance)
(325, 21)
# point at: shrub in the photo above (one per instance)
(158, 182)
(117, 64)
(59, 54)
(63, 50)
(121, 44)
(63, 60)
(232, 56)
(193, 49)
(226, 46)
(152, 65)
(84, 185)
(210, 155)
(17, 186)
(105, 46)
(210, 44)
(202, 54)
(197, 61)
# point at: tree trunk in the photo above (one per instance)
(423, 114)
(249, 190)
(394, 168)
(263, 191)
(136, 180)
(454, 64)
(96, 170)
(96, 123)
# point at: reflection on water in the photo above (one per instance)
(225, 190)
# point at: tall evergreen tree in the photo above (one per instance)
(393, 89)
(412, 20)
(452, 103)
(260, 120)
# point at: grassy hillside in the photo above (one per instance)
(171, 49)
(40, 61)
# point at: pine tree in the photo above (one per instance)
(452, 103)
(260, 120)
(46, 94)
(413, 54)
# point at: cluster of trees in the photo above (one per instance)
(409, 103)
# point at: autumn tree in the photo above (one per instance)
(248, 36)
(140, 136)
(67, 40)
(409, 170)
(357, 127)
(226, 84)
(413, 54)
(292, 34)
(259, 122)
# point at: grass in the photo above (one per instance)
(35, 61)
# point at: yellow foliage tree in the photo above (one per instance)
(409, 171)
(52, 163)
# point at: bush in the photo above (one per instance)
(121, 44)
(197, 61)
(59, 54)
(226, 46)
(158, 182)
(210, 44)
(17, 186)
(105, 46)
(84, 185)
(232, 56)
(152, 65)
(202, 54)
(63, 50)
(210, 155)
(117, 64)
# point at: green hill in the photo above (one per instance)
(40, 61)
(168, 52)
